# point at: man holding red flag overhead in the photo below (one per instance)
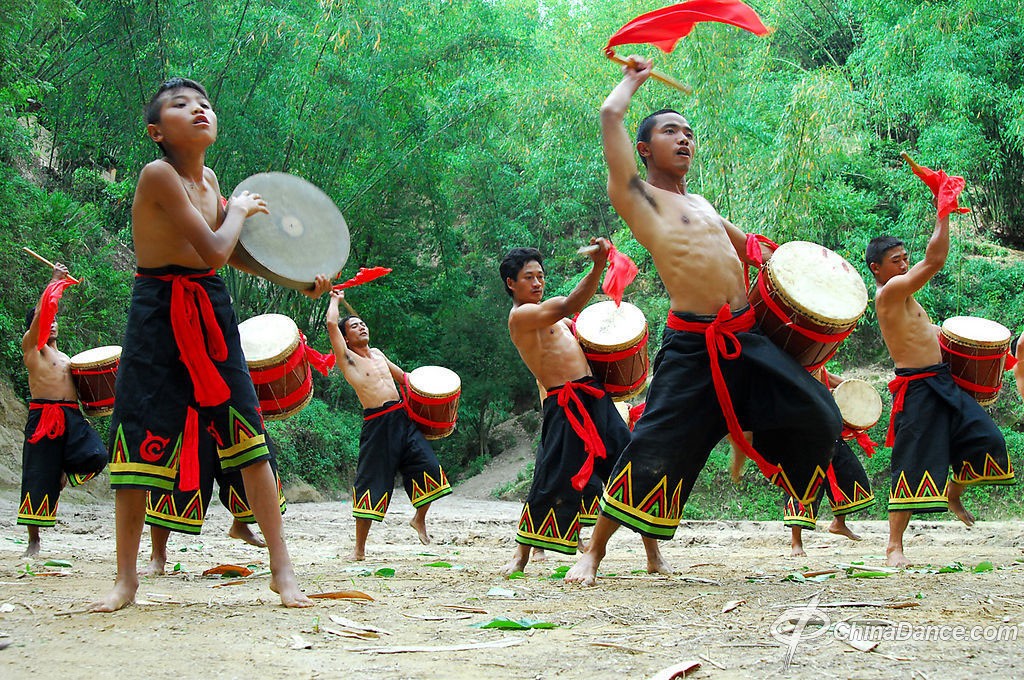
(716, 372)
(61, 447)
(583, 432)
(934, 423)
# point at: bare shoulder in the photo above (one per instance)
(154, 180)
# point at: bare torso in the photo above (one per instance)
(909, 334)
(159, 241)
(552, 353)
(692, 249)
(370, 376)
(49, 374)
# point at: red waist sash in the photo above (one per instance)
(582, 424)
(898, 389)
(51, 423)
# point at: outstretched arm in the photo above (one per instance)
(624, 186)
(337, 337)
(530, 317)
(901, 287)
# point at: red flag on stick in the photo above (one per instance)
(664, 27)
(365, 275)
(946, 189)
(48, 308)
(621, 272)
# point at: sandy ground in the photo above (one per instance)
(631, 625)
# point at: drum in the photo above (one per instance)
(277, 362)
(304, 234)
(976, 351)
(94, 373)
(432, 398)
(859, 404)
(614, 340)
(807, 300)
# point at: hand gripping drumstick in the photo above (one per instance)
(587, 250)
(46, 262)
(657, 75)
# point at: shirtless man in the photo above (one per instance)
(696, 395)
(934, 423)
(61, 447)
(568, 473)
(389, 442)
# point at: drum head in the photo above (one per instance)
(818, 283)
(96, 356)
(604, 326)
(267, 337)
(859, 403)
(976, 332)
(434, 381)
(304, 234)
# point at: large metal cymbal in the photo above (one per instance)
(304, 234)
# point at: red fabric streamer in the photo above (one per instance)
(635, 413)
(320, 362)
(665, 27)
(51, 421)
(621, 272)
(862, 438)
(48, 308)
(583, 425)
(364, 275)
(945, 189)
(188, 463)
(898, 389)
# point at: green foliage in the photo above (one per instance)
(318, 445)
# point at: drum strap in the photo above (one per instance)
(51, 421)
(754, 254)
(862, 438)
(719, 335)
(582, 424)
(384, 411)
(898, 389)
(1009, 362)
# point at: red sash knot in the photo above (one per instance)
(898, 389)
(582, 424)
(51, 421)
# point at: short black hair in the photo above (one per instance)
(29, 315)
(170, 85)
(643, 133)
(342, 324)
(878, 247)
(513, 263)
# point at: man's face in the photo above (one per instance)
(53, 330)
(528, 286)
(895, 262)
(184, 114)
(356, 331)
(672, 145)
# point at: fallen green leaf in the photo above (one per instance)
(442, 565)
(504, 623)
(516, 574)
(850, 573)
(983, 567)
(56, 563)
(951, 568)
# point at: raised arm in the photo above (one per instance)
(31, 337)
(917, 276)
(334, 332)
(625, 188)
(531, 317)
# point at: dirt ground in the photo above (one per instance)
(631, 625)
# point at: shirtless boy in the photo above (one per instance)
(574, 460)
(176, 371)
(61, 447)
(389, 442)
(936, 424)
(696, 396)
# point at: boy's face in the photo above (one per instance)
(672, 144)
(186, 116)
(528, 286)
(895, 262)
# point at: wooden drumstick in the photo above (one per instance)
(913, 166)
(657, 75)
(587, 250)
(46, 262)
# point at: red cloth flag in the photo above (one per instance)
(945, 189)
(48, 308)
(365, 275)
(319, 361)
(621, 272)
(664, 27)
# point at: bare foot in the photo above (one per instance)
(840, 528)
(797, 551)
(243, 532)
(32, 550)
(796, 542)
(157, 567)
(894, 557)
(956, 506)
(420, 525)
(122, 595)
(285, 585)
(584, 571)
(357, 555)
(538, 554)
(656, 563)
(519, 560)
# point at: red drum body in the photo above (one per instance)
(976, 351)
(807, 299)
(276, 357)
(859, 404)
(614, 340)
(432, 399)
(94, 373)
